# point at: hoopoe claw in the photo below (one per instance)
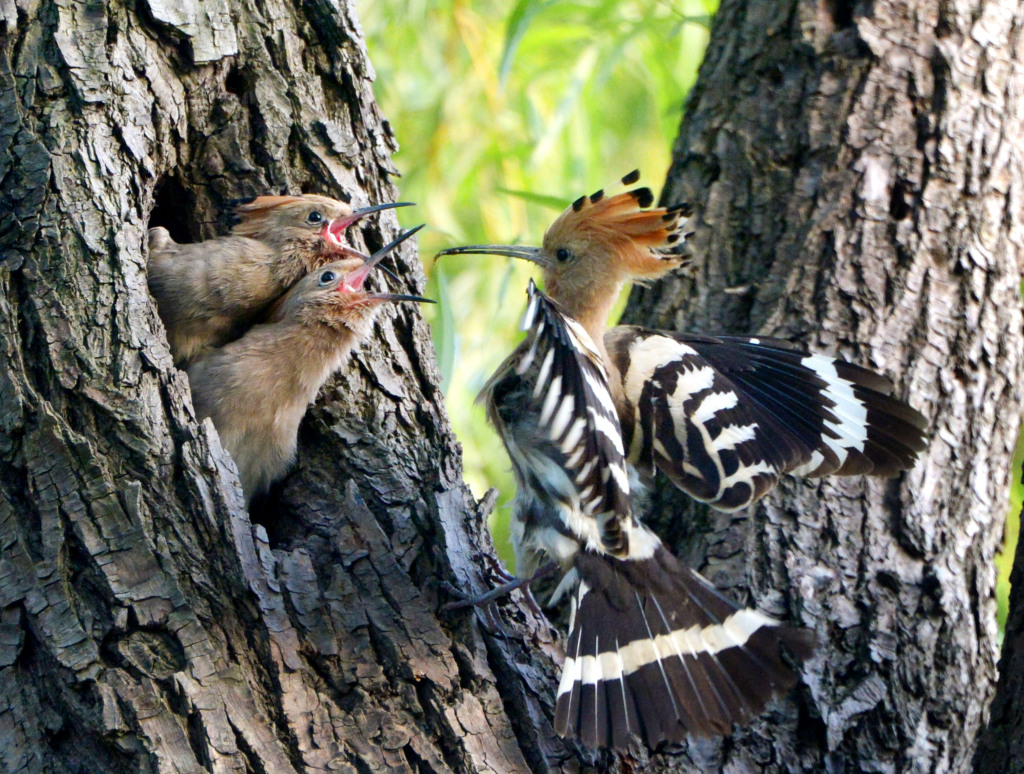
(504, 589)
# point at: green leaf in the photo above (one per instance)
(516, 27)
(551, 202)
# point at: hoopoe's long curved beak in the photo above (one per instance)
(523, 252)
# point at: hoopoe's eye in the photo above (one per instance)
(314, 217)
(327, 277)
(563, 254)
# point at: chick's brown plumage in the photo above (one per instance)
(256, 388)
(208, 292)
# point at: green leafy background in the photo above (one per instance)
(504, 117)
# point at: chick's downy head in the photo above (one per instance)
(335, 295)
(311, 225)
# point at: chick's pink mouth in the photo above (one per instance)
(353, 282)
(333, 235)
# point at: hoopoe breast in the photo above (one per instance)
(551, 405)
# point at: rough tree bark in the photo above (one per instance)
(146, 623)
(857, 169)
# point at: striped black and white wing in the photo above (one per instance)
(725, 416)
(656, 653)
(551, 403)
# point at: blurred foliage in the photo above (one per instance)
(504, 117)
(505, 113)
(1004, 559)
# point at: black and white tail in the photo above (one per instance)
(656, 654)
(725, 416)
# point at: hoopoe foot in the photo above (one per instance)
(502, 590)
(497, 570)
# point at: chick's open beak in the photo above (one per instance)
(396, 297)
(355, 279)
(337, 227)
(334, 238)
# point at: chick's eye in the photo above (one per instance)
(563, 254)
(314, 217)
(327, 277)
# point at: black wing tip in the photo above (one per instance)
(791, 386)
(631, 178)
(798, 643)
(885, 408)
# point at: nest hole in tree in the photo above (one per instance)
(841, 12)
(174, 208)
(237, 83)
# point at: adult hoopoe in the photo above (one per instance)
(256, 389)
(208, 292)
(722, 416)
(654, 651)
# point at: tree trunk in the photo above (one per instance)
(857, 169)
(146, 623)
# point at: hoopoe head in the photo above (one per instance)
(600, 242)
(334, 295)
(309, 225)
(620, 237)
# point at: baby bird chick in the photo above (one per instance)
(256, 389)
(208, 292)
